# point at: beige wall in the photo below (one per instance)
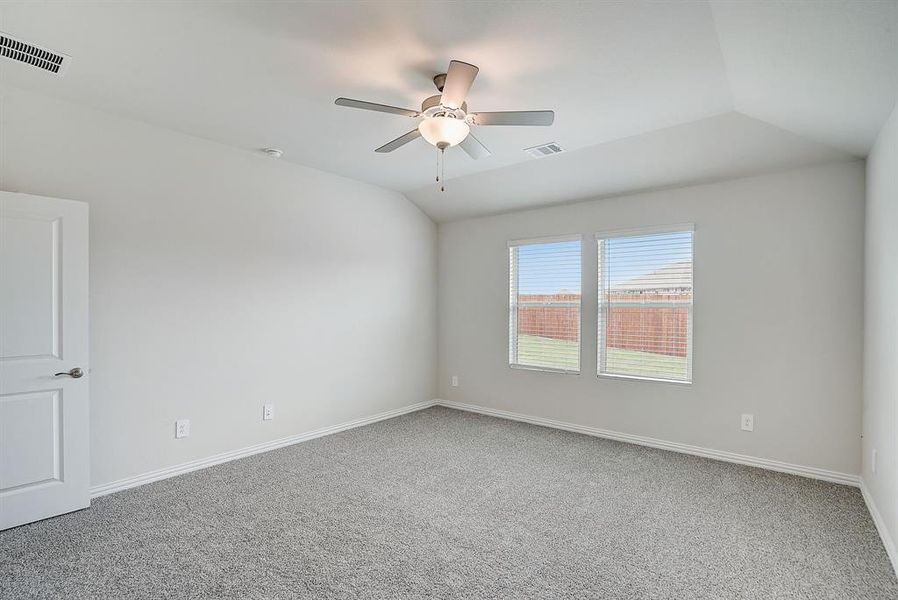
(881, 327)
(778, 318)
(222, 280)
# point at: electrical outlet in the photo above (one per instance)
(748, 422)
(182, 428)
(454, 381)
(873, 460)
(268, 412)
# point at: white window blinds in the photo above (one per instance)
(544, 304)
(645, 305)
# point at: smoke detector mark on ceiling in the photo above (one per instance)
(544, 150)
(30, 54)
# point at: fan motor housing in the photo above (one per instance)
(434, 101)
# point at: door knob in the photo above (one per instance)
(74, 373)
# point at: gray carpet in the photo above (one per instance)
(446, 504)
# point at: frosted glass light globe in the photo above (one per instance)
(444, 132)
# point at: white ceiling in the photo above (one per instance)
(697, 152)
(254, 74)
(827, 70)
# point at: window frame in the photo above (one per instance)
(511, 329)
(601, 304)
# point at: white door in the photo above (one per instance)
(44, 413)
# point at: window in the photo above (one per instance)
(544, 304)
(645, 304)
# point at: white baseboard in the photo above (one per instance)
(884, 534)
(202, 463)
(742, 459)
(763, 463)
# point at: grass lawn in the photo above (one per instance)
(559, 354)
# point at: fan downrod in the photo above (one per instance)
(439, 81)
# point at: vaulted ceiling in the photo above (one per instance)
(645, 94)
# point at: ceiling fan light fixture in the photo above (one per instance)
(445, 120)
(444, 132)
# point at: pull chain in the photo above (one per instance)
(441, 162)
(442, 169)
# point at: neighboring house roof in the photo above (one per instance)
(675, 276)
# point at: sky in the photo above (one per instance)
(555, 267)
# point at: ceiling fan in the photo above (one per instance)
(445, 120)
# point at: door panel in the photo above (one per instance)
(29, 287)
(30, 429)
(44, 417)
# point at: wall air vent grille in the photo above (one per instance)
(544, 150)
(30, 54)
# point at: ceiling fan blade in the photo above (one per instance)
(474, 147)
(402, 140)
(459, 79)
(515, 117)
(405, 112)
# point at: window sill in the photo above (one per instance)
(644, 379)
(544, 369)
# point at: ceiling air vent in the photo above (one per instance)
(544, 150)
(35, 56)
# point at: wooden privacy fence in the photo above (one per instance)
(554, 316)
(647, 322)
